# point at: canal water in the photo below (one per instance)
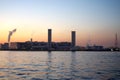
(63, 65)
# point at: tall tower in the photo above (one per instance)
(116, 41)
(49, 38)
(73, 38)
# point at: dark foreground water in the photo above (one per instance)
(59, 65)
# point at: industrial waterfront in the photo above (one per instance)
(59, 39)
(27, 65)
(31, 45)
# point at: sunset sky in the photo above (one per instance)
(96, 21)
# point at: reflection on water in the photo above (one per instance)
(59, 65)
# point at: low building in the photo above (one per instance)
(17, 46)
(0, 46)
(62, 46)
(39, 46)
(94, 48)
(5, 46)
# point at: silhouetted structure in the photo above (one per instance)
(116, 41)
(54, 46)
(49, 38)
(94, 48)
(0, 46)
(115, 48)
(31, 39)
(73, 36)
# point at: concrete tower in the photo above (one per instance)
(73, 38)
(49, 38)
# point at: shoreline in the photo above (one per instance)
(65, 50)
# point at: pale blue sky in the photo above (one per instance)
(94, 17)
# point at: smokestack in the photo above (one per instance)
(49, 38)
(73, 38)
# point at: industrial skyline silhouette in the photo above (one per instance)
(53, 46)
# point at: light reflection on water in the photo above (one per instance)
(15, 65)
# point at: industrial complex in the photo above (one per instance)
(52, 46)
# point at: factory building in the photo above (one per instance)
(17, 46)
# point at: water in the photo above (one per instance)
(21, 65)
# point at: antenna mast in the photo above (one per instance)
(116, 41)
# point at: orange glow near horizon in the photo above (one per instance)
(57, 36)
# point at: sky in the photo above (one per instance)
(95, 21)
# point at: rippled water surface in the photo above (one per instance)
(15, 65)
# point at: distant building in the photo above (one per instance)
(0, 46)
(97, 47)
(49, 38)
(39, 46)
(17, 46)
(13, 45)
(5, 46)
(94, 48)
(73, 39)
(63, 46)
